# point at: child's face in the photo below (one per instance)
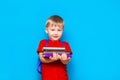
(54, 31)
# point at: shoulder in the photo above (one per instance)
(67, 46)
(65, 43)
(43, 41)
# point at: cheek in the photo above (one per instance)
(50, 32)
(60, 33)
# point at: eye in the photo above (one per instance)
(59, 30)
(52, 29)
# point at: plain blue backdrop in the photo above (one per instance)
(92, 28)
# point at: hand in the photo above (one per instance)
(64, 58)
(55, 56)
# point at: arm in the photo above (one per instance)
(64, 59)
(48, 60)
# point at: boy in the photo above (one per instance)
(54, 68)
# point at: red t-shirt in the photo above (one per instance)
(55, 70)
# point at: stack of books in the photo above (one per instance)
(48, 51)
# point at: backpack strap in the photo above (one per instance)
(47, 42)
(39, 65)
(63, 44)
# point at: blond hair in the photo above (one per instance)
(56, 20)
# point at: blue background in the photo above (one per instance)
(92, 28)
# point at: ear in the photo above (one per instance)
(46, 31)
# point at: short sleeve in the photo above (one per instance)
(41, 45)
(67, 47)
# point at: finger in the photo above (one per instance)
(54, 54)
(59, 57)
(50, 57)
(68, 57)
(43, 55)
(64, 56)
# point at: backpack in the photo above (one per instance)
(39, 65)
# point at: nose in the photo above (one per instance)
(56, 32)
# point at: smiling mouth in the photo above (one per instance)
(55, 36)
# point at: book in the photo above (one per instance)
(48, 51)
(53, 49)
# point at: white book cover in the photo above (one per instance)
(53, 49)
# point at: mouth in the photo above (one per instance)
(55, 36)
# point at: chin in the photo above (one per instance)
(55, 39)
